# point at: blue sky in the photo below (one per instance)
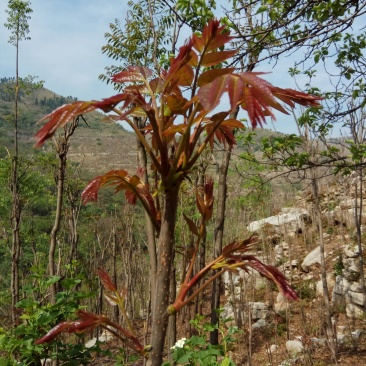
(65, 50)
(65, 46)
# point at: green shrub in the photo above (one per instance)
(17, 346)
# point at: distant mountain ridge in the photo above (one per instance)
(100, 145)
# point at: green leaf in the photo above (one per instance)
(197, 341)
(262, 9)
(185, 358)
(227, 362)
(52, 280)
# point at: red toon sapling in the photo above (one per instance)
(180, 128)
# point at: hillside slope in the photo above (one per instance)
(98, 145)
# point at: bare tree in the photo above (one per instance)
(62, 145)
(18, 16)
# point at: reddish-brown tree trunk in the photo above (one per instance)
(219, 235)
(160, 294)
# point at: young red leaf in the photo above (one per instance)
(200, 203)
(172, 130)
(192, 225)
(239, 246)
(132, 74)
(256, 113)
(106, 280)
(66, 113)
(214, 36)
(171, 78)
(185, 75)
(59, 117)
(273, 274)
(177, 104)
(204, 199)
(214, 58)
(261, 90)
(210, 94)
(122, 180)
(209, 76)
(232, 123)
(224, 135)
(86, 322)
(53, 333)
(112, 300)
(289, 96)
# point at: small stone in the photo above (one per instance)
(295, 263)
(278, 250)
(357, 333)
(280, 297)
(259, 324)
(273, 348)
(351, 251)
(90, 343)
(318, 342)
(259, 310)
(294, 347)
(280, 307)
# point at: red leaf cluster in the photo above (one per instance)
(86, 322)
(106, 280)
(205, 199)
(235, 257)
(133, 186)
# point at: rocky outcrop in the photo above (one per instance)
(290, 219)
(347, 291)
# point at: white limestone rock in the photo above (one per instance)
(351, 251)
(354, 311)
(259, 324)
(294, 347)
(292, 218)
(272, 348)
(312, 258)
(259, 310)
(340, 290)
(355, 297)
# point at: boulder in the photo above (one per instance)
(345, 212)
(340, 290)
(354, 311)
(259, 310)
(355, 297)
(330, 283)
(351, 251)
(281, 303)
(318, 342)
(259, 324)
(294, 347)
(312, 258)
(291, 218)
(280, 307)
(228, 311)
